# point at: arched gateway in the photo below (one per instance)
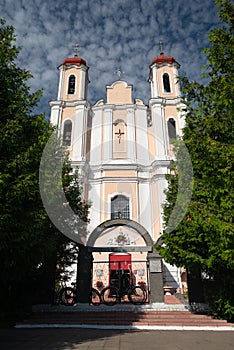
(117, 247)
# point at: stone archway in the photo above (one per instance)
(120, 222)
(154, 260)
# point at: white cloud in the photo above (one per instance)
(112, 34)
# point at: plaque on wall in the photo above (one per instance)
(155, 266)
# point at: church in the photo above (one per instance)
(123, 148)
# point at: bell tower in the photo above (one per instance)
(165, 123)
(73, 80)
(165, 104)
(70, 112)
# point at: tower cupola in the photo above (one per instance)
(77, 61)
(163, 77)
(74, 79)
(162, 59)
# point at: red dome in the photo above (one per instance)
(163, 59)
(74, 60)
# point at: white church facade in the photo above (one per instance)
(123, 150)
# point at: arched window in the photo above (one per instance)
(119, 207)
(171, 125)
(67, 131)
(166, 83)
(71, 84)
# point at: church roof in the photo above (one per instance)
(74, 61)
(163, 59)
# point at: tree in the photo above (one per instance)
(30, 245)
(58, 182)
(204, 239)
(22, 138)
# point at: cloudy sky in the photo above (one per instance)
(112, 34)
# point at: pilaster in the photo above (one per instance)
(158, 121)
(131, 136)
(80, 129)
(107, 137)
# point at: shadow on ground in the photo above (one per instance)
(93, 339)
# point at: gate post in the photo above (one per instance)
(84, 275)
(155, 277)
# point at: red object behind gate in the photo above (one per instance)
(120, 261)
(120, 270)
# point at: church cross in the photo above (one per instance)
(119, 135)
(76, 48)
(119, 73)
(161, 48)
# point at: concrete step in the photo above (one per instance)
(123, 318)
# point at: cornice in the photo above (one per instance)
(76, 103)
(164, 64)
(172, 101)
(81, 66)
(114, 107)
(139, 167)
(162, 101)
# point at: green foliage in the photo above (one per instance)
(30, 246)
(67, 253)
(61, 192)
(205, 236)
(22, 138)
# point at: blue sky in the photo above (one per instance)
(112, 34)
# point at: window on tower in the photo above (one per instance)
(67, 132)
(120, 207)
(71, 84)
(166, 83)
(171, 125)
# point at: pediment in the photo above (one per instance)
(119, 93)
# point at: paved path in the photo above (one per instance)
(92, 339)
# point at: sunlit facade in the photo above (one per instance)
(123, 149)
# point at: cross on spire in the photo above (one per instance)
(119, 134)
(161, 46)
(119, 72)
(76, 48)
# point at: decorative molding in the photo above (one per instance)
(165, 64)
(119, 120)
(127, 249)
(122, 82)
(120, 239)
(81, 67)
(61, 103)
